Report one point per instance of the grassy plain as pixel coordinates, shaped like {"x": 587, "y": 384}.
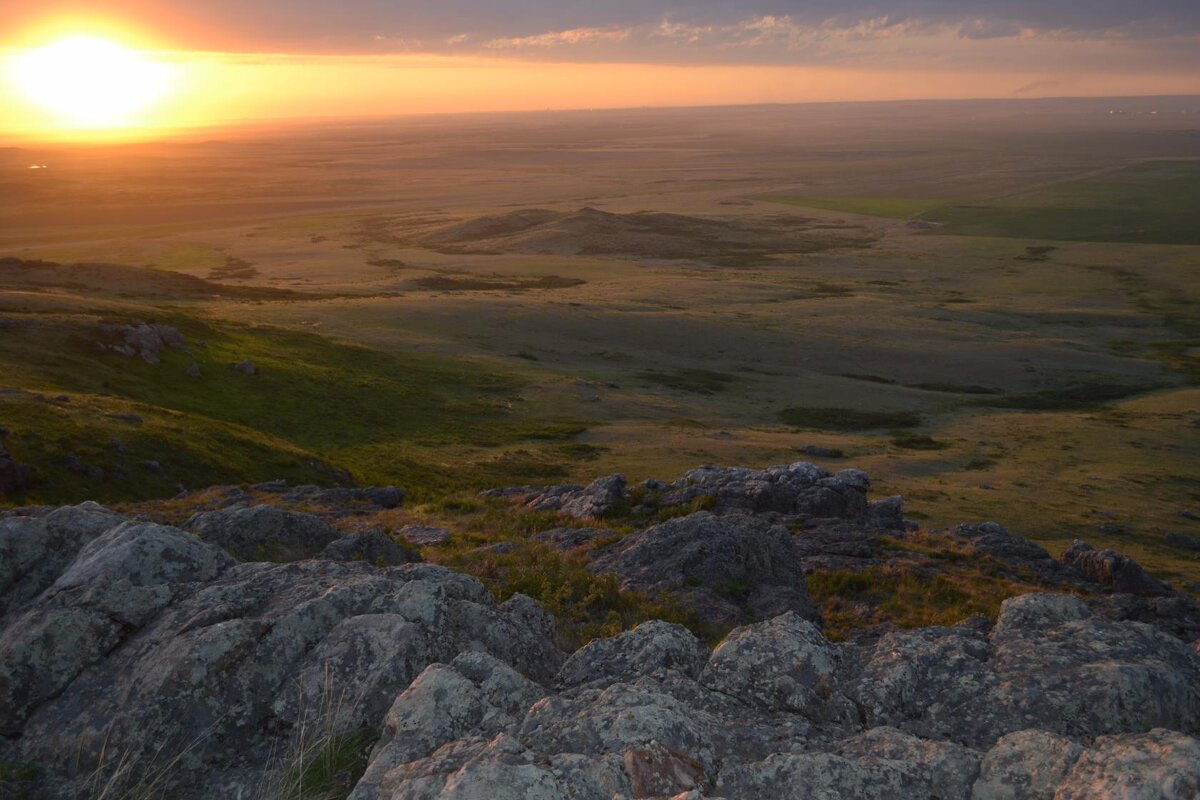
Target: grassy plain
{"x": 453, "y": 303}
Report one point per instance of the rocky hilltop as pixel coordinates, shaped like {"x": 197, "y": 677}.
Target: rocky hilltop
{"x": 131, "y": 648}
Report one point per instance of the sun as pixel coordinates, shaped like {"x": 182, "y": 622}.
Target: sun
{"x": 90, "y": 82}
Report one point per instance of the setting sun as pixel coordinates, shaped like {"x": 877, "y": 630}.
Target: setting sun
{"x": 89, "y": 82}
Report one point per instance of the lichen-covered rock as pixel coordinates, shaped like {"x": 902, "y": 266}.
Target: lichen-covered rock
{"x": 991, "y": 539}
{"x": 784, "y": 664}
{"x": 570, "y": 538}
{"x": 1109, "y": 568}
{"x": 1159, "y": 765}
{"x": 732, "y": 569}
{"x": 948, "y": 769}
{"x": 34, "y": 550}
{"x": 1026, "y": 765}
{"x": 373, "y": 546}
{"x": 799, "y": 488}
{"x": 649, "y": 647}
{"x": 424, "y": 535}
{"x": 582, "y": 502}
{"x": 1048, "y": 663}
{"x": 133, "y": 638}
{"x": 263, "y": 533}
{"x": 151, "y": 638}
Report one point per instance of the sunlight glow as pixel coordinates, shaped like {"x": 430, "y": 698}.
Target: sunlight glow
{"x": 91, "y": 83}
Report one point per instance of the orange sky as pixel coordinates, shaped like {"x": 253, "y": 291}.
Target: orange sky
{"x": 208, "y": 88}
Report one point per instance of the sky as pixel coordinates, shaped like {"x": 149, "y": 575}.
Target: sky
{"x": 236, "y": 59}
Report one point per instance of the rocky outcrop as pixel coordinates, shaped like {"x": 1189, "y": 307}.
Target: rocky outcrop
{"x": 800, "y": 490}
{"x": 1114, "y": 570}
{"x": 373, "y": 546}
{"x": 731, "y": 569}
{"x": 263, "y": 533}
{"x": 380, "y": 496}
{"x": 1016, "y": 552}
{"x": 144, "y": 340}
{"x": 777, "y": 711}
{"x": 131, "y": 638}
{"x": 125, "y": 637}
{"x": 424, "y": 535}
{"x": 582, "y": 502}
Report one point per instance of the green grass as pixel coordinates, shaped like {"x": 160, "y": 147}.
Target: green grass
{"x": 888, "y": 207}
{"x": 314, "y": 404}
{"x": 585, "y": 605}
{"x": 1157, "y": 202}
{"x": 907, "y": 597}
{"x": 848, "y": 419}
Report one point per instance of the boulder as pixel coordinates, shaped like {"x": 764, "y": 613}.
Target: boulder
{"x": 1112, "y": 569}
{"x": 649, "y": 647}
{"x": 731, "y": 569}
{"x": 783, "y": 664}
{"x": 424, "y": 535}
{"x": 571, "y": 538}
{"x": 373, "y": 546}
{"x": 263, "y": 533}
{"x": 1026, "y": 765}
{"x": 581, "y": 502}
{"x": 1159, "y": 765}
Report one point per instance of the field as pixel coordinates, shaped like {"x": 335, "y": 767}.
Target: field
{"x": 990, "y": 307}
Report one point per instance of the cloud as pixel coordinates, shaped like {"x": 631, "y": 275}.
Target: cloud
{"x": 877, "y": 33}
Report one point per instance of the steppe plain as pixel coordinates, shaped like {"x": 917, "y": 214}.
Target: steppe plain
{"x": 991, "y": 307}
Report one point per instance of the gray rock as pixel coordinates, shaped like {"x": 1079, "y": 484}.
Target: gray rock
{"x": 732, "y": 569}
{"x": 1108, "y": 568}
{"x": 571, "y": 538}
{"x": 263, "y": 533}
{"x": 948, "y": 769}
{"x": 146, "y": 341}
{"x": 35, "y": 550}
{"x": 150, "y": 638}
{"x": 1159, "y": 765}
{"x": 193, "y": 370}
{"x": 245, "y": 367}
{"x": 375, "y": 547}
{"x": 784, "y": 664}
{"x": 424, "y": 535}
{"x": 1026, "y": 765}
{"x": 1049, "y": 663}
{"x": 991, "y": 539}
{"x": 586, "y": 502}
{"x": 649, "y": 647}
{"x": 800, "y": 488}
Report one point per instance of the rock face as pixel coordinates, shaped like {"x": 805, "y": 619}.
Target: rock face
{"x": 132, "y": 636}
{"x": 731, "y": 569}
{"x": 124, "y": 637}
{"x": 263, "y": 533}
